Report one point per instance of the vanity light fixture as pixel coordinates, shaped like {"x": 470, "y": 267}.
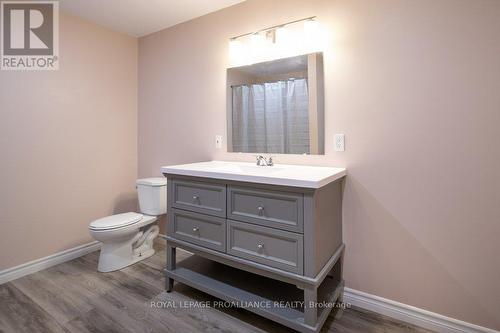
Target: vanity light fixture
{"x": 311, "y": 18}
{"x": 278, "y": 41}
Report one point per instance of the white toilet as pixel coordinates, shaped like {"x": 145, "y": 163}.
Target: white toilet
{"x": 128, "y": 238}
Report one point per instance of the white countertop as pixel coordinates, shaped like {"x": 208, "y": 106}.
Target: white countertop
{"x": 279, "y": 174}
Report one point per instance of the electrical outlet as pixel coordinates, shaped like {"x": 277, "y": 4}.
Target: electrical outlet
{"x": 218, "y": 141}
{"x": 339, "y": 142}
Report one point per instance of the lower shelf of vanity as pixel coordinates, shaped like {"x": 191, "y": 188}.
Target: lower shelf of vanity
{"x": 264, "y": 295}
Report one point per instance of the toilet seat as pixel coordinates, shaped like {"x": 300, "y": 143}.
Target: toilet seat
{"x": 115, "y": 221}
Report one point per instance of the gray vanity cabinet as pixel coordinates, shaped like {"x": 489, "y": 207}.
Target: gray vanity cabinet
{"x": 289, "y": 235}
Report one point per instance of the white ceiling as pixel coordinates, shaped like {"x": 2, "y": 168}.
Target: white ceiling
{"x": 142, "y": 17}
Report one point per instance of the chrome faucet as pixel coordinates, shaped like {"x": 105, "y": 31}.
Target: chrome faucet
{"x": 262, "y": 161}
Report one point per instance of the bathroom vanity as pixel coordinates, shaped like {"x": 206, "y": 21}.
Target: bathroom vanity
{"x": 268, "y": 239}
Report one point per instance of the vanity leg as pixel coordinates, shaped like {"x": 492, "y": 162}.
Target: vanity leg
{"x": 341, "y": 296}
{"x": 310, "y": 305}
{"x": 171, "y": 261}
{"x": 339, "y": 302}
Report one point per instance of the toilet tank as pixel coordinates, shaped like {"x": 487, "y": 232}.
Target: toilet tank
{"x": 152, "y": 194}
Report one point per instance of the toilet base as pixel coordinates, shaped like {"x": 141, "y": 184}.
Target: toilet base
{"x": 115, "y": 256}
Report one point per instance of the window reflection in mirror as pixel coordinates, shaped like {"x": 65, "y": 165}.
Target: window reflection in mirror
{"x": 277, "y": 106}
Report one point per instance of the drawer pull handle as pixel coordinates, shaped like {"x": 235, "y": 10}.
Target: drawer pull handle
{"x": 196, "y": 198}
{"x": 260, "y": 246}
{"x": 261, "y": 210}
{"x": 196, "y": 229}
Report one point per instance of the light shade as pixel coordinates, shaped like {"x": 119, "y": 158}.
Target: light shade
{"x": 260, "y": 47}
{"x": 236, "y": 52}
{"x": 282, "y": 35}
{"x": 310, "y": 28}
{"x": 313, "y": 39}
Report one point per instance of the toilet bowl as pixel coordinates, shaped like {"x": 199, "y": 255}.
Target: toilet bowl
{"x": 128, "y": 238}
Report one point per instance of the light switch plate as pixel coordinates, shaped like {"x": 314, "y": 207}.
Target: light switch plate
{"x": 339, "y": 142}
{"x": 218, "y": 141}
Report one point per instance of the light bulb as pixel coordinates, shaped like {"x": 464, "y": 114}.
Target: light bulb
{"x": 259, "y": 47}
{"x": 310, "y": 28}
{"x": 284, "y": 43}
{"x": 237, "y": 54}
{"x": 313, "y": 38}
{"x": 257, "y": 40}
{"x": 282, "y": 36}
{"x": 235, "y": 47}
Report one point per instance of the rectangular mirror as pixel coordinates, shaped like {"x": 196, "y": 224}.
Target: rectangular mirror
{"x": 277, "y": 106}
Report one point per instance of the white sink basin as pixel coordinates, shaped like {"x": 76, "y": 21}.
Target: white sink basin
{"x": 247, "y": 169}
{"x": 279, "y": 174}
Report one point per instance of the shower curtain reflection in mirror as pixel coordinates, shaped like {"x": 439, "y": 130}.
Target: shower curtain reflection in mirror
{"x": 271, "y": 117}
{"x": 277, "y": 106}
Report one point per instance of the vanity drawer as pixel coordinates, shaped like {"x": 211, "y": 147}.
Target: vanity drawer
{"x": 199, "y": 197}
{"x": 282, "y": 210}
{"x": 275, "y": 248}
{"x": 203, "y": 230}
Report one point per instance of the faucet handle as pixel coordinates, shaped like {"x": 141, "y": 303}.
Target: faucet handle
{"x": 270, "y": 162}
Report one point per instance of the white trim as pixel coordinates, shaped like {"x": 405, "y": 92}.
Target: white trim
{"x": 16, "y": 272}
{"x": 411, "y": 314}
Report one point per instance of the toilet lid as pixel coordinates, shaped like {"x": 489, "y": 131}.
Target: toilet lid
{"x": 115, "y": 221}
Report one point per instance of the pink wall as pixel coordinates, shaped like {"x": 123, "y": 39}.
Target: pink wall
{"x": 68, "y": 143}
{"x": 415, "y": 87}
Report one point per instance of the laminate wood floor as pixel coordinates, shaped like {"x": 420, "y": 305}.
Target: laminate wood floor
{"x": 74, "y": 297}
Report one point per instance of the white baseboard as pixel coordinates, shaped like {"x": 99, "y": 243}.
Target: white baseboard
{"x": 411, "y": 314}
{"x": 16, "y": 272}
